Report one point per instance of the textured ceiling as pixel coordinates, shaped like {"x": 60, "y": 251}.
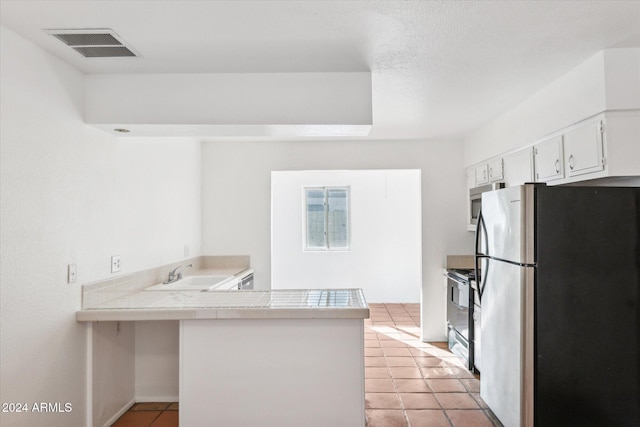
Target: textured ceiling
{"x": 440, "y": 69}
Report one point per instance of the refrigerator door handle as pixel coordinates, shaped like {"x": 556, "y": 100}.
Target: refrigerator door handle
{"x": 481, "y": 227}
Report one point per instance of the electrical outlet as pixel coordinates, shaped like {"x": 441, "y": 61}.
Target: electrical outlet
{"x": 72, "y": 273}
{"x": 115, "y": 263}
{"x": 186, "y": 250}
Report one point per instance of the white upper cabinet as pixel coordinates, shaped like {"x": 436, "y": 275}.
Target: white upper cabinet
{"x": 488, "y": 172}
{"x": 518, "y": 167}
{"x": 482, "y": 174}
{"x": 548, "y": 159}
{"x": 583, "y": 148}
{"x": 496, "y": 170}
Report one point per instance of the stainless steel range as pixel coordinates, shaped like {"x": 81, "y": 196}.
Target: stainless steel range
{"x": 460, "y": 314}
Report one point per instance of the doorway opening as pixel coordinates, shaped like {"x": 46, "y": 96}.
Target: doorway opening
{"x": 382, "y": 214}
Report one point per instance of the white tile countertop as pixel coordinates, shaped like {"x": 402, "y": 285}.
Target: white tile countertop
{"x": 142, "y": 296}
{"x": 183, "y": 305}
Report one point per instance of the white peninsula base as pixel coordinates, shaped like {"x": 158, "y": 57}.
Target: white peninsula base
{"x": 272, "y": 372}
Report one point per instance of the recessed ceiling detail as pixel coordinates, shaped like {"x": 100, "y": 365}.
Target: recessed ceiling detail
{"x": 93, "y": 43}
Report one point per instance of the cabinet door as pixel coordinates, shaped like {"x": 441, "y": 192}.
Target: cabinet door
{"x": 583, "y": 148}
{"x": 518, "y": 167}
{"x": 482, "y": 175}
{"x": 548, "y": 160}
{"x": 496, "y": 170}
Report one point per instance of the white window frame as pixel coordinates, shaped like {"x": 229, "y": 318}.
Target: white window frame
{"x": 327, "y": 247}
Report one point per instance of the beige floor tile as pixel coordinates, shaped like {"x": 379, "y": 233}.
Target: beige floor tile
{"x": 427, "y": 418}
{"x": 385, "y": 329}
{"x": 469, "y": 418}
{"x": 166, "y": 419}
{"x": 373, "y": 352}
{"x": 371, "y": 343}
{"x": 396, "y": 351}
{"x": 430, "y": 362}
{"x": 432, "y": 351}
{"x": 401, "y": 361}
{"x": 408, "y": 385}
{"x": 419, "y": 401}
{"x": 375, "y": 372}
{"x": 402, "y": 318}
{"x": 446, "y": 385}
{"x": 405, "y": 372}
{"x": 421, "y": 351}
{"x": 386, "y": 418}
{"x": 382, "y": 401}
{"x": 136, "y": 419}
{"x": 471, "y": 385}
{"x": 437, "y": 372}
{"x": 456, "y": 401}
{"x": 377, "y": 305}
{"x": 392, "y": 343}
{"x": 379, "y": 385}
{"x": 415, "y": 343}
{"x": 375, "y": 361}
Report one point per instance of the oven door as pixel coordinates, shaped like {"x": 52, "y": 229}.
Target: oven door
{"x": 458, "y": 305}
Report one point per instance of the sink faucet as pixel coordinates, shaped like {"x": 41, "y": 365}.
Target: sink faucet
{"x": 176, "y": 273}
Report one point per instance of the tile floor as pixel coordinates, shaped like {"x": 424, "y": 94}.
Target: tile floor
{"x": 408, "y": 383}
{"x": 149, "y": 415}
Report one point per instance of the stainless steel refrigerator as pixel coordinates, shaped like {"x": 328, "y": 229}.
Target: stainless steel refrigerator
{"x": 560, "y": 300}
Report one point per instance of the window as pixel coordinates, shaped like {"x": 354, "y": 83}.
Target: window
{"x": 327, "y": 218}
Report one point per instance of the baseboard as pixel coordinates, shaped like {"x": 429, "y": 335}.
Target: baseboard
{"x": 118, "y": 414}
{"x": 157, "y": 399}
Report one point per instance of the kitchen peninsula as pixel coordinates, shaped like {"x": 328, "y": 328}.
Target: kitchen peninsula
{"x": 294, "y": 357}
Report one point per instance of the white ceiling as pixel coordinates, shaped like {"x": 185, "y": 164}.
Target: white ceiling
{"x": 440, "y": 69}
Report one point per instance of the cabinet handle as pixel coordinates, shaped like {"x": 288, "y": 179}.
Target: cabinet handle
{"x": 557, "y": 165}
{"x": 490, "y": 172}
{"x": 484, "y": 174}
{"x": 571, "y": 162}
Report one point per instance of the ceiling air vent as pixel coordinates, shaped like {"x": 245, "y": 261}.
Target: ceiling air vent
{"x": 94, "y": 42}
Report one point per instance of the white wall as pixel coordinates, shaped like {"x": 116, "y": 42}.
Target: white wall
{"x": 606, "y": 81}
{"x": 385, "y": 254}
{"x": 157, "y": 361}
{"x": 73, "y": 194}
{"x": 237, "y": 200}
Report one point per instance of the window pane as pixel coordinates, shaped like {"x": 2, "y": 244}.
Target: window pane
{"x": 338, "y": 218}
{"x": 315, "y": 218}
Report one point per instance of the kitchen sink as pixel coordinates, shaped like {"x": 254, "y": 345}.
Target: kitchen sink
{"x": 196, "y": 283}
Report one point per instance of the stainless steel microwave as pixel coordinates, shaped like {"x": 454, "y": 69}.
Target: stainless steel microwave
{"x": 475, "y": 199}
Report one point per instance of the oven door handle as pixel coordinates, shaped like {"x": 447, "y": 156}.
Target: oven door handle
{"x": 457, "y": 280}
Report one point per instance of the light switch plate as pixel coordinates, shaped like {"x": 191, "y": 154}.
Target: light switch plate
{"x": 115, "y": 263}
{"x": 72, "y": 273}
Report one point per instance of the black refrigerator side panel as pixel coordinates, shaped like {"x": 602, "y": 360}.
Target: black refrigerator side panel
{"x": 587, "y": 307}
